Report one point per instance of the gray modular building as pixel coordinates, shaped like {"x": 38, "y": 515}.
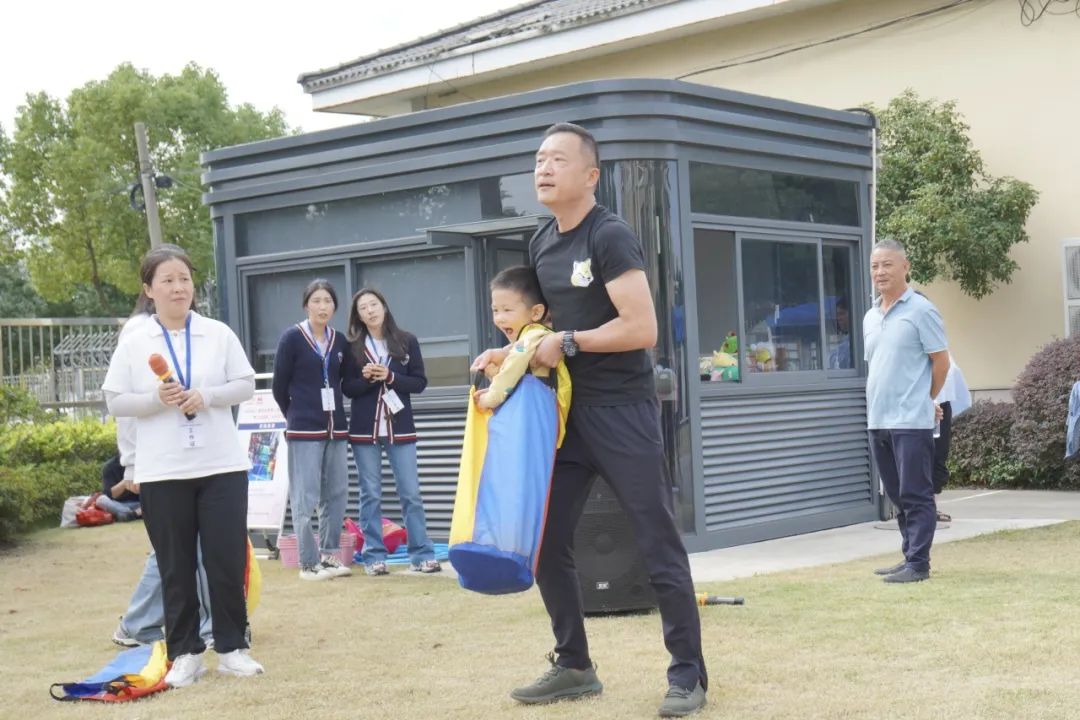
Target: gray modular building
{"x": 756, "y": 219}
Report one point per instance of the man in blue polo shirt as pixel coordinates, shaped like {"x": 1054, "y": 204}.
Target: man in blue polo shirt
{"x": 908, "y": 360}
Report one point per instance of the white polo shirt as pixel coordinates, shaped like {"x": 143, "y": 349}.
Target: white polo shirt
{"x": 217, "y": 359}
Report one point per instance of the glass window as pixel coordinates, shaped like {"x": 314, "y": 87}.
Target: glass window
{"x": 274, "y": 304}
{"x": 745, "y": 192}
{"x": 427, "y": 296}
{"x": 384, "y": 216}
{"x": 836, "y": 263}
{"x": 781, "y": 305}
{"x": 516, "y": 196}
{"x": 356, "y": 220}
{"x": 717, "y": 305}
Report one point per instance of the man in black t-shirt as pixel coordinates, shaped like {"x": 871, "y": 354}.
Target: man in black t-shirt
{"x": 592, "y": 273}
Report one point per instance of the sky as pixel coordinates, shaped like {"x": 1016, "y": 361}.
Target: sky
{"x": 257, "y": 48}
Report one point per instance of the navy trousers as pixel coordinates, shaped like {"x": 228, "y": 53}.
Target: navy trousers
{"x": 622, "y": 444}
{"x": 904, "y": 459}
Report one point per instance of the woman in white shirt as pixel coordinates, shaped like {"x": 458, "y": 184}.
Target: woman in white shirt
{"x": 191, "y": 469}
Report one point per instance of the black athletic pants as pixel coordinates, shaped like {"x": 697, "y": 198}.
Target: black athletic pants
{"x": 213, "y": 509}
{"x": 622, "y": 444}
{"x": 941, "y": 449}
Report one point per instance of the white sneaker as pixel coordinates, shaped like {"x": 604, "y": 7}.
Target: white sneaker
{"x": 185, "y": 670}
{"x": 120, "y": 637}
{"x": 334, "y": 566}
{"x": 238, "y": 663}
{"x": 315, "y": 572}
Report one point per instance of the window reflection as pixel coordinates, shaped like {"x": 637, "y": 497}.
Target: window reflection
{"x": 781, "y": 306}
{"x": 274, "y": 302}
{"x": 746, "y": 192}
{"x": 434, "y": 314}
{"x": 836, "y": 262}
{"x": 717, "y": 305}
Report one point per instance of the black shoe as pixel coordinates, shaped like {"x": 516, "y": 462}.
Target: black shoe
{"x": 680, "y": 702}
{"x": 908, "y": 575}
{"x": 559, "y": 683}
{"x": 891, "y": 570}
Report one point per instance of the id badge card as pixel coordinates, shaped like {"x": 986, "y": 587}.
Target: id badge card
{"x": 327, "y": 399}
{"x": 192, "y": 432}
{"x": 393, "y": 402}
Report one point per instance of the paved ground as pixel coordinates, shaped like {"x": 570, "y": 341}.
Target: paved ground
{"x": 974, "y": 512}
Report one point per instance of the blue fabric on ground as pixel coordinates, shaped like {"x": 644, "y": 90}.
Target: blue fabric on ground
{"x": 401, "y": 556}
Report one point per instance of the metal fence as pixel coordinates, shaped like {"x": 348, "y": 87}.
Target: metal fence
{"x": 61, "y": 361}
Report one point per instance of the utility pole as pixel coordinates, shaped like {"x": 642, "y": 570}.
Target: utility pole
{"x": 146, "y": 173}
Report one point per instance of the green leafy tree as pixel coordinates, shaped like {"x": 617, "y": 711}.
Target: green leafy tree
{"x": 957, "y": 222}
{"x": 69, "y": 167}
{"x": 17, "y": 296}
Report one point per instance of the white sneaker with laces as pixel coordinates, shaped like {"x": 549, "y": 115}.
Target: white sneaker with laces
{"x": 185, "y": 670}
{"x": 315, "y": 572}
{"x": 238, "y": 663}
{"x": 334, "y": 566}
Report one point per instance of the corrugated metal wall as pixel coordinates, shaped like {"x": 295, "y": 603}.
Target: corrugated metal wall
{"x": 782, "y": 457}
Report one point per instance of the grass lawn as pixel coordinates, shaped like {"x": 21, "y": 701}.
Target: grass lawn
{"x": 994, "y": 634}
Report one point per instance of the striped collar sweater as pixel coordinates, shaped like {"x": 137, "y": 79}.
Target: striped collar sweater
{"x": 298, "y": 383}
{"x": 368, "y": 408}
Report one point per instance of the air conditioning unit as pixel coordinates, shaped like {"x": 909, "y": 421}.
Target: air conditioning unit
{"x": 1071, "y": 276}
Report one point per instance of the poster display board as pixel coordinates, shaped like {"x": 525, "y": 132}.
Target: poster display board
{"x": 262, "y": 434}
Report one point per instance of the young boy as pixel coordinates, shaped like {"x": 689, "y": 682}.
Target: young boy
{"x": 517, "y": 309}
{"x": 507, "y": 457}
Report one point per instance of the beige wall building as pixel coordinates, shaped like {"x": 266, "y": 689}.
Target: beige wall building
{"x": 1012, "y": 80}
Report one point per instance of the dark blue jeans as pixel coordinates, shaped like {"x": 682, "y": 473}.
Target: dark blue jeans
{"x": 904, "y": 459}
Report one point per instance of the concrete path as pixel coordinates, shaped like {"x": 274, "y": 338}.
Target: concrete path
{"x": 974, "y": 512}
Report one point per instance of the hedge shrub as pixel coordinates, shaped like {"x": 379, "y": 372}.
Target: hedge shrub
{"x": 57, "y": 441}
{"x": 32, "y": 495}
{"x": 1041, "y": 394}
{"x": 45, "y": 459}
{"x": 981, "y": 451}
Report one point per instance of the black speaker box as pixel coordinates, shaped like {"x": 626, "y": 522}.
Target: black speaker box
{"x": 612, "y": 574}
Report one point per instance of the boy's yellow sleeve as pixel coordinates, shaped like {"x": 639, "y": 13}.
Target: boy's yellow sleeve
{"x": 512, "y": 369}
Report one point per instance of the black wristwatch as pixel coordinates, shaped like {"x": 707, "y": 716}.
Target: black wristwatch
{"x": 569, "y": 347}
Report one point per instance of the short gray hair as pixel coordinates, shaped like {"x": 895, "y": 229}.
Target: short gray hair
{"x": 890, "y": 244}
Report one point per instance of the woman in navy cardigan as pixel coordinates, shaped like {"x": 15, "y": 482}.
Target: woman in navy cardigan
{"x": 311, "y": 360}
{"x": 390, "y": 370}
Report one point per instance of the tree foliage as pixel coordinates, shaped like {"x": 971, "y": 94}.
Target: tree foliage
{"x": 957, "y": 222}
{"x": 69, "y": 166}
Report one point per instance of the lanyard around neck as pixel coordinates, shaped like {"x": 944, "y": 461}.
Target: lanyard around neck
{"x": 382, "y": 359}
{"x": 305, "y": 327}
{"x": 185, "y": 378}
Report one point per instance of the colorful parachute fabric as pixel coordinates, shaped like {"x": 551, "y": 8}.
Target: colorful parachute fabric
{"x": 133, "y": 674}
{"x": 502, "y": 492}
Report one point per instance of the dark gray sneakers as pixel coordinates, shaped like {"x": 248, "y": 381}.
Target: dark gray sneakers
{"x": 680, "y": 701}
{"x": 559, "y": 683}
{"x": 908, "y": 575}
{"x": 890, "y": 570}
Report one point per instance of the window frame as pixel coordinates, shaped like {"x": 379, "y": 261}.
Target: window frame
{"x": 819, "y": 237}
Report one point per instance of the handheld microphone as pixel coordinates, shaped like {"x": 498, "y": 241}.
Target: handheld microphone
{"x": 161, "y": 368}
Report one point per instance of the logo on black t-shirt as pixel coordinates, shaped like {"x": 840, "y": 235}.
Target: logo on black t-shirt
{"x": 582, "y": 275}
